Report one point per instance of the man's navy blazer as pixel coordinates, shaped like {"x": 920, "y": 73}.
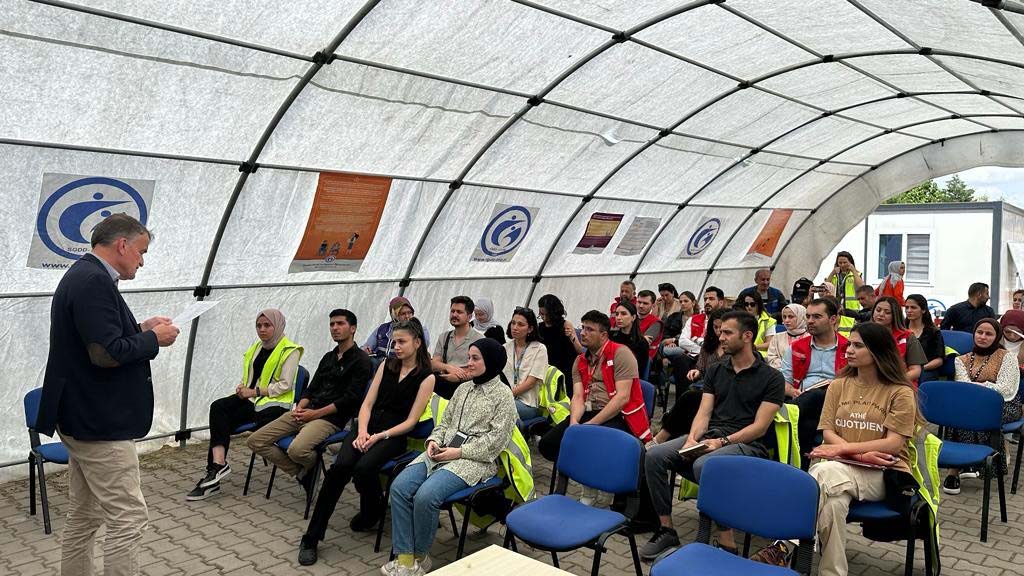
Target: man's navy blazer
{"x": 98, "y": 384}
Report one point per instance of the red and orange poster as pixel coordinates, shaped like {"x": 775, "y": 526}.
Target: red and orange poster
{"x": 768, "y": 239}
{"x": 342, "y": 223}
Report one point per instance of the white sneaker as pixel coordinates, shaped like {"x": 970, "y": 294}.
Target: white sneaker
{"x": 970, "y": 474}
{"x": 420, "y": 568}
{"x": 426, "y": 563}
{"x": 588, "y": 496}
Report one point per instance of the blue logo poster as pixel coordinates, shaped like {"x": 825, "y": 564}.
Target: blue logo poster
{"x": 504, "y": 233}
{"x": 71, "y": 205}
{"x": 701, "y": 238}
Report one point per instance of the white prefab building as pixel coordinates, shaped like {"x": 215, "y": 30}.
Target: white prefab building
{"x": 946, "y": 247}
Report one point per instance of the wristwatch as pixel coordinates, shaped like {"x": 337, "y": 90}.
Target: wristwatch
{"x": 386, "y": 435}
{"x": 725, "y": 440}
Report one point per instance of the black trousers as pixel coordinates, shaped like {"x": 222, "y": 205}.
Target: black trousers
{"x": 361, "y": 468}
{"x": 681, "y": 365}
{"x": 227, "y": 414}
{"x": 679, "y": 419}
{"x": 551, "y": 443}
{"x": 811, "y": 403}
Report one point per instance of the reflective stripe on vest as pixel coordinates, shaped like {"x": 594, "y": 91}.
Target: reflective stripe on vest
{"x": 764, "y": 324}
{"x": 272, "y": 370}
{"x": 847, "y": 293}
{"x": 846, "y": 324}
{"x": 551, "y": 397}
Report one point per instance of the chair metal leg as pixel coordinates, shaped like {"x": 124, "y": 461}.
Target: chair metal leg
{"x": 987, "y": 472}
{"x": 451, "y": 516}
{"x": 1001, "y": 483}
{"x": 635, "y": 552}
{"x": 42, "y": 497}
{"x": 31, "y": 484}
{"x": 595, "y": 570}
{"x": 1016, "y": 463}
{"x": 554, "y": 559}
{"x": 312, "y": 489}
{"x": 248, "y": 474}
{"x": 908, "y": 567}
{"x": 270, "y": 485}
{"x": 465, "y": 530}
{"x": 383, "y": 515}
{"x": 554, "y": 476}
{"x": 746, "y": 546}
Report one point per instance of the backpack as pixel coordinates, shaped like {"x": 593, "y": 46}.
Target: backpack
{"x": 801, "y": 288}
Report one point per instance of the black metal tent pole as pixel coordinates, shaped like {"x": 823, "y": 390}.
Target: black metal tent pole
{"x": 319, "y": 60}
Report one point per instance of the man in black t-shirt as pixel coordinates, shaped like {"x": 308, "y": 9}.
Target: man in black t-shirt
{"x": 740, "y": 398}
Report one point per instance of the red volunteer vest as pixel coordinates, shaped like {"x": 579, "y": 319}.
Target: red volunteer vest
{"x": 697, "y": 322}
{"x": 801, "y": 348}
{"x": 645, "y": 323}
{"x": 635, "y": 411}
{"x": 900, "y": 336}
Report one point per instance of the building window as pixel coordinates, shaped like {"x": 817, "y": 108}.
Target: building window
{"x": 918, "y": 246}
{"x": 890, "y": 249}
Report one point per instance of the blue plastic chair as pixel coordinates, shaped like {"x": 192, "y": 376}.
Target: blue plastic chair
{"x": 468, "y": 498}
{"x": 301, "y": 380}
{"x": 861, "y": 512}
{"x": 39, "y": 454}
{"x": 1015, "y": 428}
{"x": 780, "y": 327}
{"x": 603, "y": 458}
{"x": 648, "y": 390}
{"x": 967, "y": 406}
{"x": 392, "y": 468}
{"x": 962, "y": 342}
{"x": 732, "y": 493}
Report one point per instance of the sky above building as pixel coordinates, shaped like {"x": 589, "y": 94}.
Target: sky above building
{"x": 995, "y": 182}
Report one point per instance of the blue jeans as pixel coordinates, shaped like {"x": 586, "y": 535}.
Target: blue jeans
{"x": 526, "y": 411}
{"x": 416, "y": 505}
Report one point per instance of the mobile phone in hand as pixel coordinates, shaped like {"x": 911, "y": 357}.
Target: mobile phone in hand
{"x": 457, "y": 440}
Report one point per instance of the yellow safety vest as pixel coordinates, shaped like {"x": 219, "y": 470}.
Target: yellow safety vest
{"x": 786, "y": 440}
{"x": 514, "y": 462}
{"x": 272, "y": 370}
{"x": 845, "y": 324}
{"x": 847, "y": 293}
{"x": 551, "y": 396}
{"x": 765, "y": 328}
{"x": 924, "y": 467}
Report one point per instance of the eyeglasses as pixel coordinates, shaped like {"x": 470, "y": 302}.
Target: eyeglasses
{"x": 750, "y": 304}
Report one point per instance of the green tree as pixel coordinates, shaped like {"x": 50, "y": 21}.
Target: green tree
{"x": 929, "y": 192}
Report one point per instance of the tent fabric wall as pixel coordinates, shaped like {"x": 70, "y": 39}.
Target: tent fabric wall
{"x": 683, "y": 111}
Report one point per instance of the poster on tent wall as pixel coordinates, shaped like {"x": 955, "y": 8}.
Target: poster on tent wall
{"x": 637, "y": 236}
{"x": 701, "y": 238}
{"x": 342, "y": 223}
{"x": 600, "y": 230}
{"x": 504, "y": 233}
{"x": 71, "y": 205}
{"x": 768, "y": 239}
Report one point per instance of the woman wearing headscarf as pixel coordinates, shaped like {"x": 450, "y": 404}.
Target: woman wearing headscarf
{"x": 1013, "y": 334}
{"x": 794, "y": 318}
{"x": 987, "y": 364}
{"x": 483, "y": 314}
{"x": 461, "y": 452}
{"x": 265, "y": 392}
{"x": 892, "y": 285}
{"x": 379, "y": 343}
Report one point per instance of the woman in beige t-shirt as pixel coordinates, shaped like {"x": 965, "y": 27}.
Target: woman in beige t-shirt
{"x": 870, "y": 412}
{"x": 527, "y": 362}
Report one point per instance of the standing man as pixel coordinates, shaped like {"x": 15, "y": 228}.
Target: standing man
{"x": 627, "y": 293}
{"x": 773, "y": 298}
{"x": 963, "y": 316}
{"x": 451, "y": 352}
{"x": 98, "y": 396}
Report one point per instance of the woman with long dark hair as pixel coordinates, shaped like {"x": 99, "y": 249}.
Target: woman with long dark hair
{"x": 394, "y": 402}
{"x": 558, "y": 335}
{"x": 991, "y": 365}
{"x": 626, "y": 330}
{"x": 869, "y": 414}
{"x": 921, "y": 325}
{"x": 888, "y": 313}
{"x": 752, "y": 304}
{"x": 527, "y": 362}
{"x": 845, "y": 278}
{"x": 667, "y": 303}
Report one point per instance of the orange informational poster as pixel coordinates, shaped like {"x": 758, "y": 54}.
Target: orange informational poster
{"x": 771, "y": 233}
{"x": 342, "y": 223}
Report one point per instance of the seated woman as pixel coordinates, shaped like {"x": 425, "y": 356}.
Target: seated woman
{"x": 1013, "y": 334}
{"x": 265, "y": 392}
{"x": 397, "y": 397}
{"x": 378, "y": 344}
{"x": 992, "y": 366}
{"x": 794, "y": 318}
{"x": 483, "y": 321}
{"x": 754, "y": 305}
{"x": 667, "y": 303}
{"x": 626, "y": 330}
{"x": 558, "y": 335}
{"x": 482, "y": 415}
{"x": 889, "y": 314}
{"x": 870, "y": 412}
{"x": 527, "y": 362}
{"x": 921, "y": 325}
{"x": 678, "y": 420}
{"x": 892, "y": 284}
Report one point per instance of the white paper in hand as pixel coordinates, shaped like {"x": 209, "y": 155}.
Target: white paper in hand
{"x": 192, "y": 312}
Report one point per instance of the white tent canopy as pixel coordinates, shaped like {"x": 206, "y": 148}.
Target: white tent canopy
{"x": 685, "y": 112}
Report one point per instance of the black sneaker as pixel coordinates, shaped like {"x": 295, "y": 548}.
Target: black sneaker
{"x": 214, "y": 474}
{"x": 306, "y": 482}
{"x": 202, "y": 493}
{"x": 662, "y": 540}
{"x": 361, "y": 524}
{"x": 951, "y": 485}
{"x": 307, "y": 552}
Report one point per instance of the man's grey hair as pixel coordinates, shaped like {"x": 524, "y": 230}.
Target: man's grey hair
{"x": 118, "y": 226}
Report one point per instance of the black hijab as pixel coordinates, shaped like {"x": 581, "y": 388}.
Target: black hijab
{"x": 494, "y": 356}
{"x": 996, "y": 344}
